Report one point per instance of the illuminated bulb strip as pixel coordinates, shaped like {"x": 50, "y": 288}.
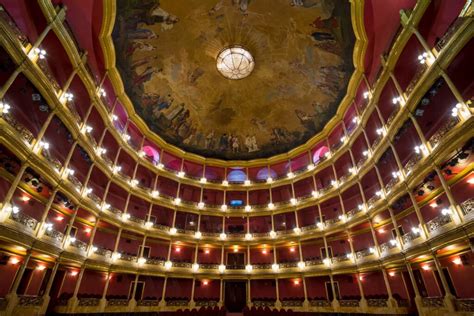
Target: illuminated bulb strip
{"x": 4, "y": 108}
{"x": 41, "y": 53}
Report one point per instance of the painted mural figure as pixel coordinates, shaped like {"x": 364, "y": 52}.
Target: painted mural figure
{"x": 166, "y": 54}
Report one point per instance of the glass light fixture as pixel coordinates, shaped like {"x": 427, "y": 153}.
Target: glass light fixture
{"x": 221, "y": 268}
{"x": 235, "y": 62}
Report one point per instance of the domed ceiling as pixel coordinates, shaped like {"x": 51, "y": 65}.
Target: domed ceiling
{"x": 166, "y": 54}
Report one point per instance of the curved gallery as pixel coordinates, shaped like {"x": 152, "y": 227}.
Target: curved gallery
{"x": 236, "y": 156}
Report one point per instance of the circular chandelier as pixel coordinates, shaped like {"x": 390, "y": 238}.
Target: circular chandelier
{"x": 235, "y": 62}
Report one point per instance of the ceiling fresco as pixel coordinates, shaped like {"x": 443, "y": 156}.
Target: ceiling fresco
{"x": 166, "y": 54}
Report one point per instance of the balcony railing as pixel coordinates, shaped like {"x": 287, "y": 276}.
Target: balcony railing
{"x": 89, "y": 301}
{"x": 291, "y": 303}
{"x": 377, "y": 302}
{"x": 391, "y": 184}
{"x": 363, "y": 253}
{"x": 22, "y": 130}
{"x": 235, "y": 267}
{"x": 117, "y": 302}
{"x": 353, "y": 212}
{"x": 148, "y": 302}
{"x": 468, "y": 207}
{"x": 75, "y": 182}
{"x": 186, "y": 265}
{"x": 155, "y": 261}
{"x": 409, "y": 237}
{"x": 262, "y": 266}
{"x": 5, "y": 17}
{"x": 349, "y": 303}
{"x": 128, "y": 257}
{"x": 263, "y": 303}
{"x": 287, "y": 265}
{"x": 44, "y": 66}
{"x": 385, "y": 247}
{"x": 331, "y": 221}
{"x": 177, "y": 303}
{"x": 26, "y": 300}
{"x": 313, "y": 262}
{"x": 432, "y": 302}
{"x": 94, "y": 198}
{"x": 24, "y": 220}
{"x": 416, "y": 78}
{"x": 103, "y": 252}
{"x": 373, "y": 200}
{"x": 438, "y": 136}
{"x": 339, "y": 259}
{"x": 451, "y": 31}
{"x": 438, "y": 222}
{"x": 79, "y": 245}
{"x": 54, "y": 234}
{"x": 465, "y": 305}
{"x": 320, "y": 303}
{"x": 209, "y": 266}
{"x": 55, "y": 163}
{"x": 412, "y": 163}
{"x": 136, "y": 220}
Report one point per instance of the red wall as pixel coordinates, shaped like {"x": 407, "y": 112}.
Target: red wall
{"x": 262, "y": 288}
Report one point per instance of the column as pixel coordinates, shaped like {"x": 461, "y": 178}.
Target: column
{"x": 395, "y": 225}
{"x": 376, "y": 243}
{"x": 91, "y": 240}
{"x": 73, "y": 301}
{"x": 278, "y": 302}
{"x": 418, "y": 299}
{"x": 12, "y": 296}
{"x": 39, "y": 228}
{"x": 132, "y": 302}
{"x": 363, "y": 301}
{"x": 191, "y": 302}
{"x": 69, "y": 227}
{"x": 50, "y": 282}
{"x": 163, "y": 295}
{"x": 305, "y": 291}
{"x": 391, "y": 302}
{"x": 249, "y": 294}
{"x": 424, "y": 229}
{"x": 15, "y": 183}
{"x": 36, "y": 147}
{"x": 335, "y": 301}
{"x": 457, "y": 215}
{"x": 103, "y": 299}
{"x": 221, "y": 293}
{"x": 449, "y": 297}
